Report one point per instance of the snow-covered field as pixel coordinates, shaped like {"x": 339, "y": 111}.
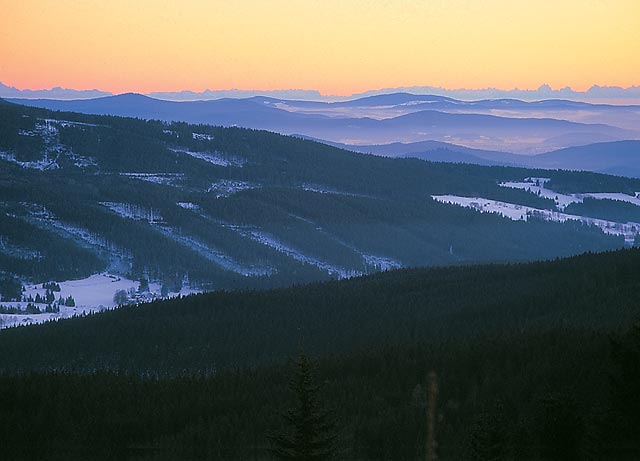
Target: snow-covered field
{"x": 537, "y": 186}
{"x": 521, "y": 212}
{"x": 92, "y": 294}
{"x": 614, "y": 196}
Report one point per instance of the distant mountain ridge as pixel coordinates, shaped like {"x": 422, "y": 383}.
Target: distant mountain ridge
{"x": 326, "y": 121}
{"x": 594, "y": 94}
{"x": 620, "y": 158}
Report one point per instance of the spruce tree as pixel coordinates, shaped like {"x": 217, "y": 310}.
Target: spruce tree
{"x": 310, "y": 433}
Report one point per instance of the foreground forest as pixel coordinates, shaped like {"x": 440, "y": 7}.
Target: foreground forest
{"x": 533, "y": 361}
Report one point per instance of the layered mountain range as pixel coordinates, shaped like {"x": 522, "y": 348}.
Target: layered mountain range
{"x": 232, "y": 207}
{"x": 504, "y": 125}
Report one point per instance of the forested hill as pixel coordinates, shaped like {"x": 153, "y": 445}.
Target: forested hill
{"x": 225, "y": 330}
{"x": 232, "y": 207}
{"x": 534, "y": 361}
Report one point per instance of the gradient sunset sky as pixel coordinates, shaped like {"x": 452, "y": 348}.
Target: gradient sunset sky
{"x": 337, "y": 47}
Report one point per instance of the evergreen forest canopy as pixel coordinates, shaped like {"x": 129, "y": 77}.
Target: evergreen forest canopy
{"x": 240, "y": 208}
{"x": 533, "y": 361}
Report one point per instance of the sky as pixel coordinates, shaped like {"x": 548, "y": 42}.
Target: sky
{"x": 336, "y": 47}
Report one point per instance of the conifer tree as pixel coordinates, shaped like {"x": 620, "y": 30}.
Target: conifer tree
{"x": 310, "y": 434}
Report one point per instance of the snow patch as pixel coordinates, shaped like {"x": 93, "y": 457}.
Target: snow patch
{"x": 51, "y": 122}
{"x": 536, "y": 186}
{"x": 43, "y": 164}
{"x": 215, "y": 158}
{"x": 227, "y": 187}
{"x": 212, "y": 254}
{"x": 133, "y": 211}
{"x": 635, "y": 200}
{"x": 165, "y": 179}
{"x": 188, "y": 206}
{"x": 381, "y": 263}
{"x": 45, "y": 219}
{"x": 202, "y": 137}
{"x": 320, "y": 189}
{"x": 92, "y": 294}
{"x": 271, "y": 241}
{"x": 516, "y": 212}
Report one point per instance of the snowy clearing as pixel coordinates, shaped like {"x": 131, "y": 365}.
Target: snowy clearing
{"x": 537, "y": 186}
{"x": 614, "y": 196}
{"x": 91, "y": 294}
{"x": 520, "y": 212}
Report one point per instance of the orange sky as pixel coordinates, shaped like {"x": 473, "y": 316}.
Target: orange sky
{"x": 337, "y": 47}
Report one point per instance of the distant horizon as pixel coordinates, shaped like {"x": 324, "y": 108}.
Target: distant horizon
{"x": 595, "y": 93}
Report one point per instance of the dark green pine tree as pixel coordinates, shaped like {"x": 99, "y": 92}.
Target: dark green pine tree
{"x": 310, "y": 432}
